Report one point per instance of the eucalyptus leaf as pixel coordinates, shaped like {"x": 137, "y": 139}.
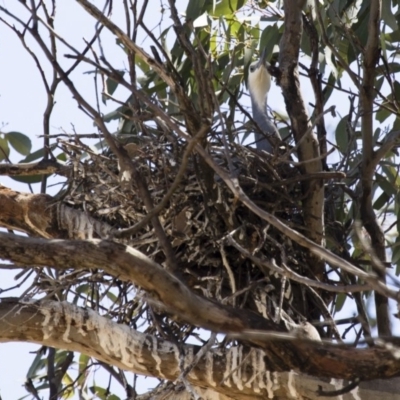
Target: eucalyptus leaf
{"x": 340, "y": 300}
{"x": 31, "y": 179}
{"x": 37, "y": 365}
{"x": 19, "y": 142}
{"x": 194, "y": 9}
{"x": 111, "y": 85}
{"x": 225, "y": 7}
{"x": 4, "y": 148}
{"x": 341, "y": 135}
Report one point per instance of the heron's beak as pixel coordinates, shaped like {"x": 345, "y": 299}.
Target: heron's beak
{"x": 263, "y": 59}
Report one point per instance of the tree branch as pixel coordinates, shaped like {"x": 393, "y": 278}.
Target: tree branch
{"x": 43, "y": 167}
{"x": 238, "y": 371}
{"x": 368, "y": 217}
{"x": 39, "y": 215}
{"x": 308, "y": 146}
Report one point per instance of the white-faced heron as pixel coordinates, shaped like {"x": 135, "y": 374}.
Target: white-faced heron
{"x": 259, "y": 83}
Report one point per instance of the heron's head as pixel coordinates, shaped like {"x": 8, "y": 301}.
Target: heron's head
{"x": 259, "y": 81}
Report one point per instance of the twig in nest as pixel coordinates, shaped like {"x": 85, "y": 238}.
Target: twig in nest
{"x": 181, "y": 172}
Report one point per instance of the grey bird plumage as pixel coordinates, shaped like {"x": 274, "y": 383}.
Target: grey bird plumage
{"x": 259, "y": 83}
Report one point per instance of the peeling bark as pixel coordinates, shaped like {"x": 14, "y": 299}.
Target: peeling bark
{"x": 40, "y": 215}
{"x": 239, "y": 372}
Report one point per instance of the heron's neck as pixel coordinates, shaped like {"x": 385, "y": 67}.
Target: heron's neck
{"x": 259, "y": 109}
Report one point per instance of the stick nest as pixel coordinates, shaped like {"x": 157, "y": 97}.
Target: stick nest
{"x": 200, "y": 218}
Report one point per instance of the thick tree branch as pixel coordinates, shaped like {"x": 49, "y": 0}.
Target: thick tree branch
{"x": 132, "y": 266}
{"x": 238, "y": 371}
{"x": 308, "y": 146}
{"x": 39, "y": 215}
{"x": 43, "y": 167}
{"x": 368, "y": 217}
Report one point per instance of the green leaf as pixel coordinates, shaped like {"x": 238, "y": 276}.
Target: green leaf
{"x": 255, "y": 32}
{"x": 269, "y": 38}
{"x": 392, "y": 175}
{"x": 390, "y": 67}
{"x": 341, "y": 134}
{"x": 118, "y": 112}
{"x": 113, "y": 115}
{"x": 194, "y": 9}
{"x": 127, "y": 127}
{"x": 160, "y": 85}
{"x": 396, "y": 255}
{"x": 248, "y": 55}
{"x": 385, "y": 185}
{"x": 83, "y": 362}
{"x": 19, "y": 142}
{"x": 225, "y": 7}
{"x": 393, "y": 37}
{"x": 100, "y": 392}
{"x": 82, "y": 368}
{"x": 27, "y": 179}
{"x": 223, "y": 61}
{"x": 34, "y": 156}
{"x": 381, "y": 201}
{"x": 68, "y": 383}
{"x": 377, "y": 134}
{"x": 396, "y": 124}
{"x": 111, "y": 84}
{"x": 328, "y": 89}
{"x": 340, "y": 300}
{"x": 305, "y": 45}
{"x": 379, "y": 83}
{"x": 4, "y": 149}
{"x": 361, "y": 27}
{"x": 62, "y": 157}
{"x": 37, "y": 364}
{"x": 112, "y": 296}
{"x": 382, "y": 114}
{"x": 214, "y": 44}
{"x": 141, "y": 64}
{"x": 83, "y": 289}
{"x": 234, "y": 29}
{"x": 388, "y": 15}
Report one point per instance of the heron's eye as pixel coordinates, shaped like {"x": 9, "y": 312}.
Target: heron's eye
{"x": 251, "y": 69}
